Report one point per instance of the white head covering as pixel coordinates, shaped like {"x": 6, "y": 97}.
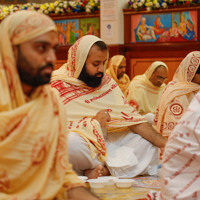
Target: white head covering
{"x": 153, "y": 67}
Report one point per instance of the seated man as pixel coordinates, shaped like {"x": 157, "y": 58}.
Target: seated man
{"x": 144, "y": 31}
{"x": 180, "y": 170}
{"x": 104, "y": 127}
{"x": 146, "y": 89}
{"x": 178, "y": 94}
{"x": 33, "y": 149}
{"x": 116, "y": 69}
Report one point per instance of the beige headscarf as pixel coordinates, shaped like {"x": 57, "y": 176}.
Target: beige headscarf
{"x": 83, "y": 102}
{"x": 143, "y": 92}
{"x": 32, "y": 134}
{"x": 180, "y": 85}
{"x": 114, "y": 63}
{"x": 15, "y": 30}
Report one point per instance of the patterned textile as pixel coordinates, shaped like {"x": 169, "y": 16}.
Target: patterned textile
{"x": 114, "y": 63}
{"x": 142, "y": 91}
{"x": 180, "y": 174}
{"x": 13, "y": 31}
{"x": 88, "y": 101}
{"x": 34, "y": 162}
{"x": 138, "y": 191}
{"x": 147, "y": 182}
{"x": 177, "y": 95}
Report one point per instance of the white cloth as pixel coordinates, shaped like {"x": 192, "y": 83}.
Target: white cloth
{"x": 149, "y": 117}
{"x": 79, "y": 154}
{"x": 180, "y": 174}
{"x": 143, "y": 158}
{"x": 121, "y": 156}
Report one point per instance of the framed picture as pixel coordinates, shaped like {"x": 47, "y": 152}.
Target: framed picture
{"x": 70, "y": 30}
{"x": 180, "y": 26}
{"x": 90, "y": 26}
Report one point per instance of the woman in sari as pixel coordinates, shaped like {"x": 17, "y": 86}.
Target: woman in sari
{"x": 117, "y": 69}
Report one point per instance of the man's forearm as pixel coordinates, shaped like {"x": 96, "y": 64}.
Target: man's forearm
{"x": 81, "y": 193}
{"x": 149, "y": 133}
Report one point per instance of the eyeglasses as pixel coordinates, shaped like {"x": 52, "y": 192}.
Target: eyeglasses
{"x": 161, "y": 78}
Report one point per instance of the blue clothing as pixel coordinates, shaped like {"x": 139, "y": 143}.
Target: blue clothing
{"x": 190, "y": 34}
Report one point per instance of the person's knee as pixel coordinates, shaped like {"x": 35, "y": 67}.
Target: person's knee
{"x": 75, "y": 144}
{"x": 79, "y": 153}
{"x": 78, "y": 149}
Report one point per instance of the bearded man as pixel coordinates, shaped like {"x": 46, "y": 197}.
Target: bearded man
{"x": 33, "y": 149}
{"x": 107, "y": 135}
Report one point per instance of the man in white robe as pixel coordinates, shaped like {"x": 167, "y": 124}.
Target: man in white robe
{"x": 180, "y": 173}
{"x": 105, "y": 129}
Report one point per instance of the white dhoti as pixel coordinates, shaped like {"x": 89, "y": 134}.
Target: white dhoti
{"x": 79, "y": 154}
{"x": 129, "y": 155}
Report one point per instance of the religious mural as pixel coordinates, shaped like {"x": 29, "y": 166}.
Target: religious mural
{"x": 70, "y": 30}
{"x": 164, "y": 27}
{"x": 90, "y": 26}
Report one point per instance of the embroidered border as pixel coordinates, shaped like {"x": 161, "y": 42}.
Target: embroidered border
{"x": 70, "y": 92}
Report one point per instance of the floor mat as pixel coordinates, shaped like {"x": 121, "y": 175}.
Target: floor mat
{"x": 147, "y": 182}
{"x": 138, "y": 191}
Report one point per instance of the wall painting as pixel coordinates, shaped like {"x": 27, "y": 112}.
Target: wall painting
{"x": 70, "y": 30}
{"x": 164, "y": 27}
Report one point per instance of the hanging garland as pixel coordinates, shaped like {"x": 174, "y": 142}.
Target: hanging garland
{"x": 149, "y": 5}
{"x": 57, "y": 7}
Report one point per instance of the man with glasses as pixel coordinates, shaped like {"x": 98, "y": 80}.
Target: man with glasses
{"x": 144, "y": 90}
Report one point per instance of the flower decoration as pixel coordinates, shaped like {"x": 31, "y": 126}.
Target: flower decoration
{"x": 158, "y": 4}
{"x": 57, "y": 7}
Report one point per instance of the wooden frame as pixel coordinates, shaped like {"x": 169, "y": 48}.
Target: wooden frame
{"x": 179, "y": 26}
{"x": 128, "y": 14}
{"x": 170, "y": 52}
{"x": 13, "y": 1}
